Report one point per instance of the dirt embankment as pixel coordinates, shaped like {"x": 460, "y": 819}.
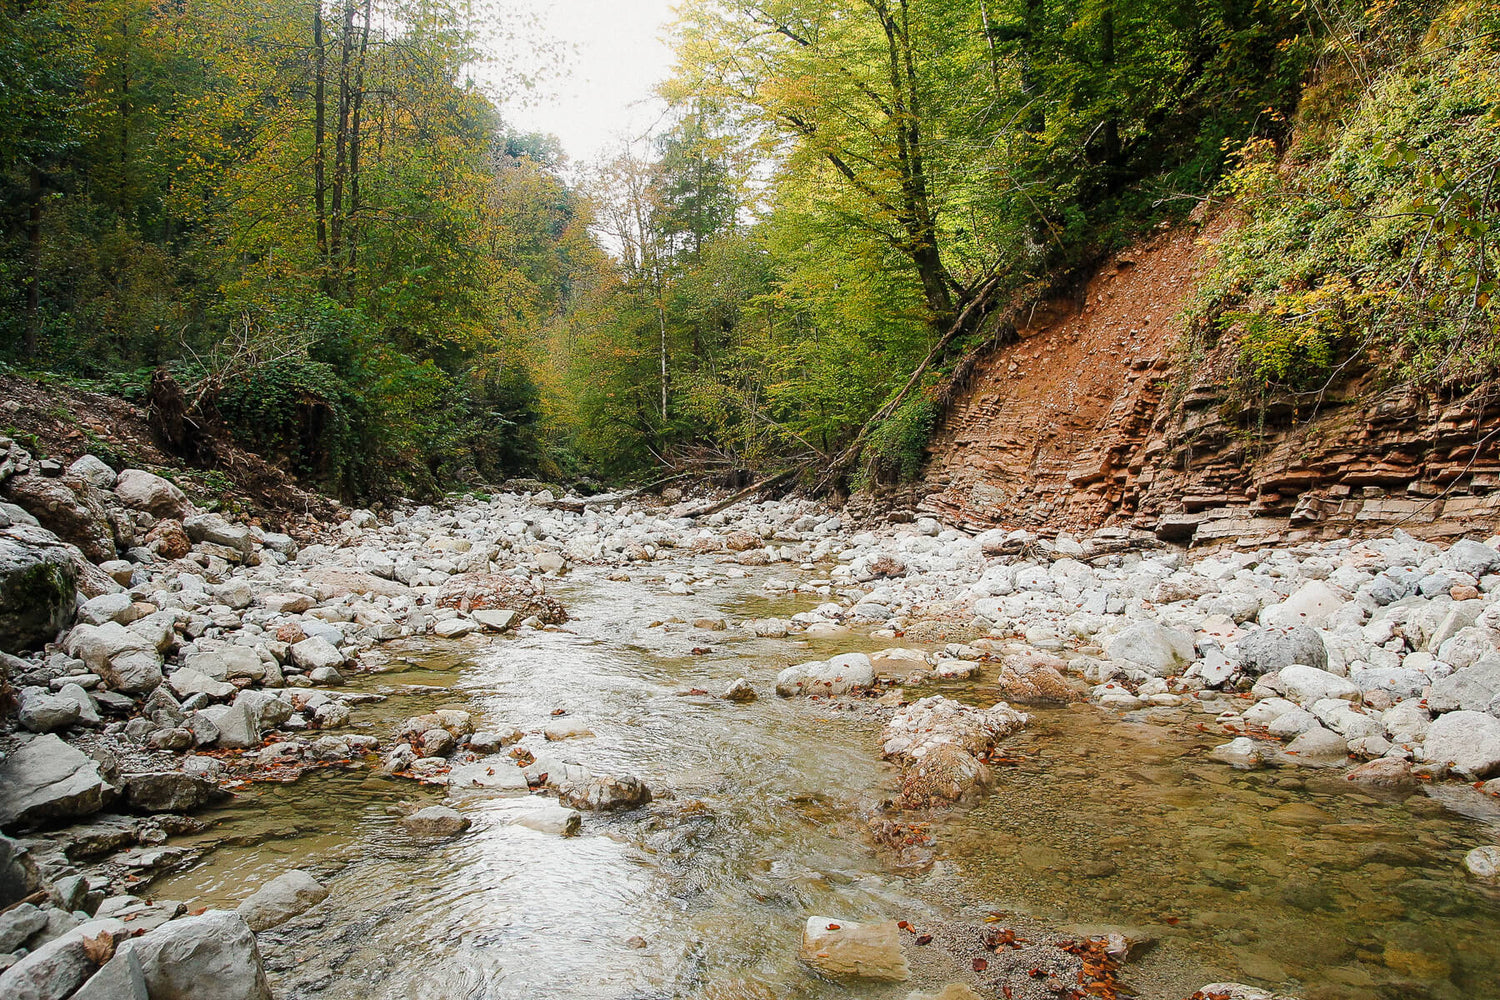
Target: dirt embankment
{"x": 1095, "y": 417}
{"x": 60, "y": 422}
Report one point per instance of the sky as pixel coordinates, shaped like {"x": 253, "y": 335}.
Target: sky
{"x": 613, "y": 55}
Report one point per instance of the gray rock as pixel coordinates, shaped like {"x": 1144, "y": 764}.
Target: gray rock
{"x": 56, "y": 969}
{"x": 186, "y": 681}
{"x": 19, "y": 924}
{"x": 1265, "y": 650}
{"x": 1153, "y": 647}
{"x": 46, "y": 779}
{"x": 556, "y": 820}
{"x": 70, "y": 508}
{"x": 93, "y": 471}
{"x": 836, "y": 675}
{"x": 1467, "y": 741}
{"x": 215, "y": 530}
{"x": 1305, "y": 685}
{"x": 315, "y": 652}
{"x": 43, "y": 712}
{"x": 170, "y": 791}
{"x": 1318, "y": 747}
{"x": 208, "y": 957}
{"x": 121, "y": 978}
{"x": 125, "y": 659}
{"x": 151, "y": 493}
{"x": 1470, "y": 689}
{"x": 228, "y": 663}
{"x": 105, "y": 608}
{"x": 605, "y": 794}
{"x": 237, "y": 729}
{"x": 496, "y": 620}
{"x": 38, "y": 584}
{"x": 495, "y": 774}
{"x": 740, "y": 691}
{"x": 1471, "y": 557}
{"x": 267, "y": 710}
{"x": 436, "y": 822}
{"x": 279, "y": 900}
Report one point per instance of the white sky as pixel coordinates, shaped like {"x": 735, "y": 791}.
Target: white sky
{"x": 614, "y": 54}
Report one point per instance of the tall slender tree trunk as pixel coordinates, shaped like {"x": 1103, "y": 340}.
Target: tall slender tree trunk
{"x": 341, "y": 142}
{"x": 1111, "y": 137}
{"x": 29, "y": 341}
{"x": 354, "y": 141}
{"x": 320, "y": 63}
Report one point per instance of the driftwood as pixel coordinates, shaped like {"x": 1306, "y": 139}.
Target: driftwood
{"x": 577, "y": 505}
{"x": 760, "y": 487}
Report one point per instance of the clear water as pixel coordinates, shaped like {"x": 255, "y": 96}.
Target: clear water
{"x": 1273, "y": 877}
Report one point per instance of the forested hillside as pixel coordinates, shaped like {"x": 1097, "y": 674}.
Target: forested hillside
{"x": 315, "y": 218}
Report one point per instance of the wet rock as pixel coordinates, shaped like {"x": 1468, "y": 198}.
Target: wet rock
{"x": 1387, "y": 773}
{"x": 604, "y": 794}
{"x": 555, "y": 820}
{"x": 935, "y": 721}
{"x": 496, "y": 774}
{"x": 1152, "y": 647}
{"x": 436, "y": 822}
{"x": 836, "y": 675}
{"x": 469, "y": 592}
{"x": 739, "y": 691}
{"x": 1466, "y": 741}
{"x": 45, "y": 779}
{"x": 38, "y": 581}
{"x": 453, "y": 628}
{"x": 487, "y": 741}
{"x": 1239, "y": 991}
{"x": 1035, "y": 678}
{"x": 944, "y": 774}
{"x": 1318, "y": 747}
{"x": 567, "y": 731}
{"x": 208, "y": 957}
{"x": 279, "y": 900}
{"x": 42, "y": 712}
{"x": 1484, "y": 862}
{"x": 837, "y": 947}
{"x": 1267, "y": 650}
{"x": 953, "y": 991}
{"x": 170, "y": 791}
{"x": 1241, "y": 752}
{"x": 151, "y": 493}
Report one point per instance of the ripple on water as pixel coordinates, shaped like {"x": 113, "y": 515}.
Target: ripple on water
{"x": 1270, "y": 876}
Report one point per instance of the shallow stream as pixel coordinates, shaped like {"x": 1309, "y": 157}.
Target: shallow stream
{"x": 1274, "y": 877}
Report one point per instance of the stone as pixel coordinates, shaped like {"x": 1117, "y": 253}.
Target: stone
{"x": 56, "y": 969}
{"x": 212, "y": 528}
{"x": 279, "y": 900}
{"x": 953, "y": 991}
{"x": 151, "y": 493}
{"x": 326, "y": 676}
{"x": 43, "y": 712}
{"x": 1466, "y": 741}
{"x": 558, "y": 821}
{"x": 236, "y": 727}
{"x": 186, "y": 682}
{"x": 1406, "y": 722}
{"x": 121, "y": 978}
{"x": 1305, "y": 685}
{"x": 1318, "y": 746}
{"x": 1484, "y": 862}
{"x": 496, "y": 619}
{"x": 1266, "y": 650}
{"x": 170, "y": 791}
{"x": 1470, "y": 689}
{"x": 1312, "y": 604}
{"x": 69, "y": 509}
{"x": 287, "y": 604}
{"x": 496, "y": 774}
{"x": 1152, "y": 647}
{"x": 1241, "y": 752}
{"x": 38, "y": 584}
{"x": 1387, "y": 773}
{"x": 45, "y": 779}
{"x": 604, "y": 794}
{"x": 1033, "y": 677}
{"x": 266, "y": 710}
{"x": 468, "y": 592}
{"x": 436, "y": 822}
{"x": 740, "y": 690}
{"x": 208, "y": 957}
{"x": 315, "y": 652}
{"x": 93, "y": 471}
{"x": 18, "y": 924}
{"x": 453, "y": 628}
{"x": 105, "y": 608}
{"x": 838, "y": 947}
{"x": 945, "y": 773}
{"x": 1471, "y": 557}
{"x": 836, "y": 675}
{"x": 123, "y": 658}
{"x": 167, "y": 539}
{"x": 227, "y": 663}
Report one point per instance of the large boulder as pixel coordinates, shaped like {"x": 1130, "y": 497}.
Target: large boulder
{"x": 281, "y": 899}
{"x": 837, "y": 947}
{"x": 68, "y": 508}
{"x": 56, "y": 969}
{"x": 38, "y": 587}
{"x": 1312, "y": 604}
{"x": 45, "y": 779}
{"x": 1470, "y": 689}
{"x": 490, "y": 591}
{"x": 124, "y": 658}
{"x": 1305, "y": 685}
{"x": 1152, "y": 647}
{"x": 1471, "y": 557}
{"x": 1469, "y": 741}
{"x": 836, "y": 675}
{"x": 153, "y": 494}
{"x": 170, "y": 791}
{"x": 43, "y": 712}
{"x": 1266, "y": 650}
{"x": 94, "y": 471}
{"x": 214, "y": 529}
{"x": 208, "y": 957}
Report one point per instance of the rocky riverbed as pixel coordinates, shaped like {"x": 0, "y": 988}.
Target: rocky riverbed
{"x": 171, "y": 665}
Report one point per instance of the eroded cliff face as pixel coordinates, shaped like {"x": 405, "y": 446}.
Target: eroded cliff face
{"x": 1098, "y": 416}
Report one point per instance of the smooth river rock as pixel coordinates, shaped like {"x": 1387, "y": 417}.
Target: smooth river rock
{"x": 281, "y": 899}
{"x": 208, "y": 957}
{"x": 838, "y": 947}
{"x": 46, "y": 779}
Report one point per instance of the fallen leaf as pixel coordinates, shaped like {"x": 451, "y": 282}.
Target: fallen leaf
{"x": 980, "y": 965}
{"x": 924, "y": 939}
{"x": 99, "y": 949}
{"x": 833, "y": 927}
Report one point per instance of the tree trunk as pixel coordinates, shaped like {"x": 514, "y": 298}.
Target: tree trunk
{"x": 354, "y": 141}
{"x": 29, "y": 341}
{"x": 319, "y": 132}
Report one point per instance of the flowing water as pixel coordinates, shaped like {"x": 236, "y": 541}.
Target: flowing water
{"x": 1277, "y": 877}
